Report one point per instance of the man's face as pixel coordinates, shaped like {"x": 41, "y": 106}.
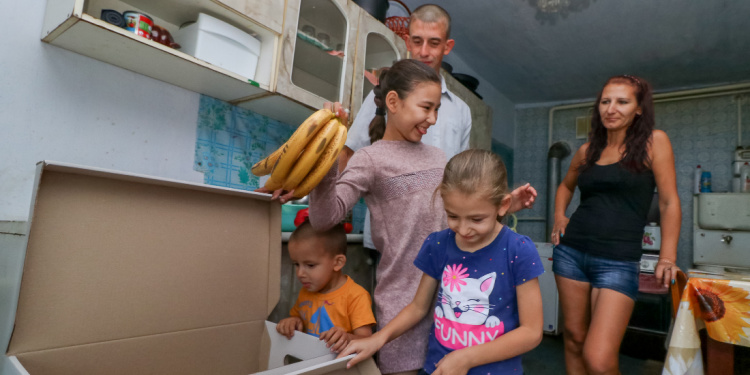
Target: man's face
{"x": 428, "y": 42}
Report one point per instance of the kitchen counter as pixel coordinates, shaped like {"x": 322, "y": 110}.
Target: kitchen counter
{"x": 350, "y": 238}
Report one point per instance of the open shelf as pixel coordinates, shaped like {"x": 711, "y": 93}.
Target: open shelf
{"x": 74, "y": 25}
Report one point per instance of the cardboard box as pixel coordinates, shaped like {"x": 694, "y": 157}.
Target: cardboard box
{"x": 129, "y": 274}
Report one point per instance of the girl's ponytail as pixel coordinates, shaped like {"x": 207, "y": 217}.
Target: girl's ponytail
{"x": 377, "y": 125}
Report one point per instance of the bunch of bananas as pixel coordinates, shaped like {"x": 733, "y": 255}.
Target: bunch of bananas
{"x": 301, "y": 162}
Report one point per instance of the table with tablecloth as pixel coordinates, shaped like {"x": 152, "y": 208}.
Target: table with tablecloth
{"x": 720, "y": 303}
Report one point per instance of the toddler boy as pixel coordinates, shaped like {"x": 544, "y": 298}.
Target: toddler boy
{"x": 330, "y": 305}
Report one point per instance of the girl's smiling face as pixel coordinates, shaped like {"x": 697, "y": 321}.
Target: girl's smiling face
{"x": 410, "y": 117}
{"x": 473, "y": 218}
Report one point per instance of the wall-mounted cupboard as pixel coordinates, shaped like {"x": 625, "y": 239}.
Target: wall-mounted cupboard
{"x": 317, "y": 51}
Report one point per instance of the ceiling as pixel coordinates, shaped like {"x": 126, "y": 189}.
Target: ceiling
{"x": 533, "y": 57}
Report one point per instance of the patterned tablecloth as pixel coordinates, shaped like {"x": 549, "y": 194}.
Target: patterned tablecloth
{"x": 719, "y": 303}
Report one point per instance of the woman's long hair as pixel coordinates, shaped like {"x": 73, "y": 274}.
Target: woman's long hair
{"x": 402, "y": 78}
{"x": 637, "y": 136}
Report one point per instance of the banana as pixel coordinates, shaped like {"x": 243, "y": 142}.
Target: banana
{"x": 311, "y": 154}
{"x": 291, "y": 150}
{"x": 265, "y": 166}
{"x": 304, "y": 133}
{"x": 323, "y": 165}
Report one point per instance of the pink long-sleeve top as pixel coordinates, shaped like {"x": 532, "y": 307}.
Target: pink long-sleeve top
{"x": 398, "y": 181}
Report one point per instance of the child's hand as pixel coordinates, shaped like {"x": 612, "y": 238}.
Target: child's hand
{"x": 287, "y": 326}
{"x": 338, "y": 109}
{"x": 452, "y": 364}
{"x": 282, "y": 195}
{"x": 336, "y": 338}
{"x": 365, "y": 348}
{"x": 523, "y": 197}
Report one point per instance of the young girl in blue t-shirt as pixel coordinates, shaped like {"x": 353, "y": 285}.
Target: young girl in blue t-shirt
{"x": 489, "y": 306}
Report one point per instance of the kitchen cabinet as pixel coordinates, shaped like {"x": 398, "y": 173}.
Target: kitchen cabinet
{"x": 481, "y": 113}
{"x": 377, "y": 47}
{"x": 317, "y": 51}
{"x": 75, "y": 25}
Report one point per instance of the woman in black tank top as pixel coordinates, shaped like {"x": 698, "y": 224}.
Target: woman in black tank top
{"x": 595, "y": 262}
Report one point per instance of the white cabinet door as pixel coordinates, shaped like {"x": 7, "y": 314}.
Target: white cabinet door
{"x": 317, "y": 52}
{"x": 377, "y": 47}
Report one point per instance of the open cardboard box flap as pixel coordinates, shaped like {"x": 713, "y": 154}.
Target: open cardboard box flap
{"x": 129, "y": 274}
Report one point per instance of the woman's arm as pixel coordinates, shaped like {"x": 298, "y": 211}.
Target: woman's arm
{"x": 407, "y": 318}
{"x": 514, "y": 343}
{"x": 565, "y": 194}
{"x": 669, "y": 205}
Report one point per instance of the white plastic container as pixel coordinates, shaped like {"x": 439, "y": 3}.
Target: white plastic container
{"x": 651, "y": 237}
{"x": 697, "y": 181}
{"x": 220, "y": 44}
{"x": 745, "y": 178}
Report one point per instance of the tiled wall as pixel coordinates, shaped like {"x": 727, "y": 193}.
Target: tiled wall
{"x": 702, "y": 131}
{"x": 231, "y": 139}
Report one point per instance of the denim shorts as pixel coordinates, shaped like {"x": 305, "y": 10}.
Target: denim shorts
{"x": 603, "y": 273}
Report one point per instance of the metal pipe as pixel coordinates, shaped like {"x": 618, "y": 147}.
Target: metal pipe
{"x": 739, "y": 120}
{"x": 556, "y": 153}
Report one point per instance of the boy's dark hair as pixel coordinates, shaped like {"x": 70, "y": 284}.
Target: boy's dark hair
{"x": 334, "y": 238}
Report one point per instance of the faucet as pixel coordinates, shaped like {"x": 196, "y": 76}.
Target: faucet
{"x": 726, "y": 238}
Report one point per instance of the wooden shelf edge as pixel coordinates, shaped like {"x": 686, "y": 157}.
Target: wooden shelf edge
{"x": 97, "y": 39}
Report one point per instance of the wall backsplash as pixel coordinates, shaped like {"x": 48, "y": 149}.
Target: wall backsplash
{"x": 702, "y": 131}
{"x": 231, "y": 139}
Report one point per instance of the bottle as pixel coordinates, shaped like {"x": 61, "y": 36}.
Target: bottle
{"x": 697, "y": 182}
{"x": 651, "y": 237}
{"x": 745, "y": 178}
{"x": 706, "y": 182}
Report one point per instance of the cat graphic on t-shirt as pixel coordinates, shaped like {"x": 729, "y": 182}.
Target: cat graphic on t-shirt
{"x": 466, "y": 300}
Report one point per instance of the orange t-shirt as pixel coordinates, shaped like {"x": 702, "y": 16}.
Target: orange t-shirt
{"x": 348, "y": 307}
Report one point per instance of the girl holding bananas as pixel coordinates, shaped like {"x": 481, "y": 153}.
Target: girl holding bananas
{"x": 397, "y": 176}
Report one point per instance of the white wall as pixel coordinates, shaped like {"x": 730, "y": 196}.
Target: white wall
{"x": 58, "y": 105}
{"x": 503, "y": 110}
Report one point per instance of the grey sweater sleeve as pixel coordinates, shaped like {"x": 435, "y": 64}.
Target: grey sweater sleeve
{"x": 336, "y": 194}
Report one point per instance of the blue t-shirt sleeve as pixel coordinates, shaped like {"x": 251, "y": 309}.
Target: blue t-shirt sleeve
{"x": 429, "y": 259}
{"x": 526, "y": 264}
